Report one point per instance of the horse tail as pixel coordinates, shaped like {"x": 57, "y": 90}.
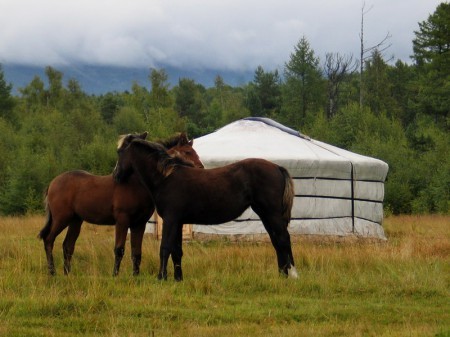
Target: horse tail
{"x": 48, "y": 223}
{"x": 288, "y": 194}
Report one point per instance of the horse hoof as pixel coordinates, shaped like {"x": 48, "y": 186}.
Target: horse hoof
{"x": 283, "y": 273}
{"x": 162, "y": 277}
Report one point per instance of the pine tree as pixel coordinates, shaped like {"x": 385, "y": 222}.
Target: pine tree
{"x": 303, "y": 92}
{"x": 432, "y": 55}
{"x": 264, "y": 93}
{"x": 377, "y": 84}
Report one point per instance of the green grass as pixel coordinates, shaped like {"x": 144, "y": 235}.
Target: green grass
{"x": 346, "y": 288}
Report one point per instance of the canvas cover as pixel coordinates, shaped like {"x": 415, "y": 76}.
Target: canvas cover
{"x": 337, "y": 192}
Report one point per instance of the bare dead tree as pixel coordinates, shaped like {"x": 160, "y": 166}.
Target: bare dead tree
{"x": 337, "y": 68}
{"x": 381, "y": 46}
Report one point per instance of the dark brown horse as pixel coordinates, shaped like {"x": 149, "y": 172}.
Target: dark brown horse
{"x": 184, "y": 194}
{"x": 77, "y": 196}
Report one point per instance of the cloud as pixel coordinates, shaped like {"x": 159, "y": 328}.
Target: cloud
{"x": 212, "y": 34}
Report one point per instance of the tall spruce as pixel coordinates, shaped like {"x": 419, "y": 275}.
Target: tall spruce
{"x": 303, "y": 94}
{"x": 431, "y": 48}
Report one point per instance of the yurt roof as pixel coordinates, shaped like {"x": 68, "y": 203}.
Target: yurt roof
{"x": 255, "y": 137}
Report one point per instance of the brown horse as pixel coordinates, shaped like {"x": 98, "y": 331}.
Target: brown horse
{"x": 77, "y": 196}
{"x": 184, "y": 194}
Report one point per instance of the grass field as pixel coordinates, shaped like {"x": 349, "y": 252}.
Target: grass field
{"x": 396, "y": 288}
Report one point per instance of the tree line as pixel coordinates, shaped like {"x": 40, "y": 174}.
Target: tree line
{"x": 53, "y": 126}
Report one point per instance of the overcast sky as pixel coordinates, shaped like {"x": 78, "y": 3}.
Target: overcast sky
{"x": 215, "y": 34}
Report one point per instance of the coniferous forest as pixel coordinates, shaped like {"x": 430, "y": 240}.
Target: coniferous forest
{"x": 391, "y": 110}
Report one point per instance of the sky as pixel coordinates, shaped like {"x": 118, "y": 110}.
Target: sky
{"x": 200, "y": 34}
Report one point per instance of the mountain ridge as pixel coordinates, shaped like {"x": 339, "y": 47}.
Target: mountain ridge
{"x": 98, "y": 80}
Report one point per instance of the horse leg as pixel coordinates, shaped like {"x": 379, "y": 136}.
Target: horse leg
{"x": 48, "y": 247}
{"x": 119, "y": 248}
{"x": 292, "y": 272}
{"x": 177, "y": 254}
{"x": 137, "y": 234}
{"x": 282, "y": 244}
{"x": 49, "y": 240}
{"x": 286, "y": 263}
{"x": 69, "y": 243}
{"x": 281, "y": 241}
{"x": 167, "y": 246}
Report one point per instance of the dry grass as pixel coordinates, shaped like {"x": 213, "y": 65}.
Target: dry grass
{"x": 395, "y": 288}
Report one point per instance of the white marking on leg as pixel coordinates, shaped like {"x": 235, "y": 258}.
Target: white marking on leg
{"x": 292, "y": 272}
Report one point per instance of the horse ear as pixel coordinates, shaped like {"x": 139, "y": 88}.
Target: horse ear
{"x": 191, "y": 142}
{"x": 183, "y": 140}
{"x": 143, "y": 135}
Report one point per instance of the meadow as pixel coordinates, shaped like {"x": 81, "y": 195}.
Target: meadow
{"x": 398, "y": 287}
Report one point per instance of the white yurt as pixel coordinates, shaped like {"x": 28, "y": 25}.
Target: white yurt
{"x": 337, "y": 192}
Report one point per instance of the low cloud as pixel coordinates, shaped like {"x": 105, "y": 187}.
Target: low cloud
{"x": 231, "y": 35}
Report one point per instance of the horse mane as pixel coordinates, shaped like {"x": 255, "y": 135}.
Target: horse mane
{"x": 121, "y": 140}
{"x": 167, "y": 163}
{"x": 178, "y": 139}
{"x": 129, "y": 137}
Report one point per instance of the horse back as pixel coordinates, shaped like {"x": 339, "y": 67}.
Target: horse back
{"x": 81, "y": 194}
{"x": 264, "y": 176}
{"x": 243, "y": 177}
{"x": 223, "y": 193}
{"x": 98, "y": 199}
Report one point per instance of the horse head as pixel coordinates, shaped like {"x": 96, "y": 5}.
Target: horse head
{"x": 180, "y": 146}
{"x": 134, "y": 151}
{"x": 123, "y": 169}
{"x": 170, "y": 153}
